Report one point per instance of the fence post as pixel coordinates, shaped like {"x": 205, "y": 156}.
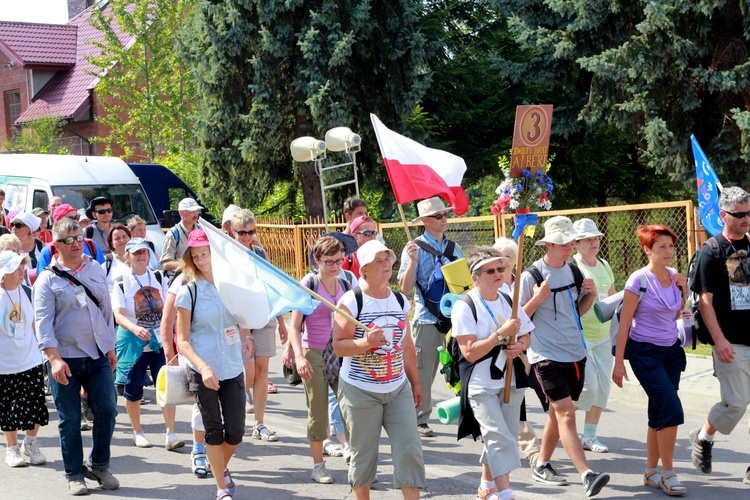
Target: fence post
{"x": 298, "y": 260}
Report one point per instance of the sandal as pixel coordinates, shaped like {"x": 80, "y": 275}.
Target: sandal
{"x": 490, "y": 494}
{"x": 200, "y": 465}
{"x": 272, "y": 388}
{"x": 230, "y": 485}
{"x": 650, "y": 482}
{"x": 674, "y": 490}
{"x": 261, "y": 432}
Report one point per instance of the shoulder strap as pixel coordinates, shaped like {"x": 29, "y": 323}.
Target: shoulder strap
{"x": 713, "y": 244}
{"x": 108, "y": 262}
{"x": 449, "y": 248}
{"x": 577, "y": 276}
{"x": 400, "y": 298}
{"x": 66, "y": 275}
{"x": 507, "y": 298}
{"x": 176, "y": 235}
{"x": 91, "y": 246}
{"x": 193, "y": 291}
{"x": 158, "y": 276}
{"x": 120, "y": 281}
{"x": 39, "y": 244}
{"x": 535, "y": 273}
{"x": 88, "y": 232}
{"x": 644, "y": 285}
{"x": 359, "y": 299}
{"x": 346, "y": 285}
{"x": 27, "y": 291}
{"x": 427, "y": 248}
{"x": 470, "y": 302}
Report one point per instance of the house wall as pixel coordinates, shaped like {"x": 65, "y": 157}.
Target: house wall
{"x": 11, "y": 78}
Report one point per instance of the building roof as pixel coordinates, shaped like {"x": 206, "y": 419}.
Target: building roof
{"x": 31, "y": 44}
{"x": 68, "y": 94}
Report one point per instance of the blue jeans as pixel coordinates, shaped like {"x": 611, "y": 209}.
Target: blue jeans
{"x": 335, "y": 421}
{"x": 95, "y": 376}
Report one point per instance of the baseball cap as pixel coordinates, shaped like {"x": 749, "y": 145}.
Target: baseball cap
{"x": 189, "y": 204}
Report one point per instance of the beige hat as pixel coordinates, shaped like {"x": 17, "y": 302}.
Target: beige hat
{"x": 370, "y": 249}
{"x": 431, "y": 206}
{"x": 558, "y": 230}
{"x": 586, "y": 228}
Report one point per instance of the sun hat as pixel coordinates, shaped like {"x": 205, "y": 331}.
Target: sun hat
{"x": 31, "y": 220}
{"x": 82, "y": 215}
{"x": 189, "y": 204}
{"x": 63, "y": 210}
{"x": 558, "y": 230}
{"x": 136, "y": 244}
{"x": 369, "y": 250}
{"x": 358, "y": 222}
{"x": 38, "y": 211}
{"x": 586, "y": 228}
{"x": 99, "y": 200}
{"x": 347, "y": 240}
{"x": 431, "y": 206}
{"x": 10, "y": 260}
{"x": 479, "y": 264}
{"x": 228, "y": 213}
{"x": 197, "y": 238}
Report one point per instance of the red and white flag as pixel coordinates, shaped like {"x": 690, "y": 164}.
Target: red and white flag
{"x": 418, "y": 172}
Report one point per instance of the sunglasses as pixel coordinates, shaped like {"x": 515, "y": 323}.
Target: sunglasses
{"x": 330, "y": 263}
{"x": 738, "y": 215}
{"x": 494, "y": 270}
{"x": 439, "y": 216}
{"x": 103, "y": 211}
{"x": 246, "y": 233}
{"x": 17, "y": 225}
{"x": 369, "y": 234}
{"x": 68, "y": 240}
{"x": 74, "y": 217}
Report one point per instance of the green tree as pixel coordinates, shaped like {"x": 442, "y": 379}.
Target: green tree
{"x": 656, "y": 70}
{"x": 144, "y": 87}
{"x": 40, "y": 136}
{"x": 269, "y": 71}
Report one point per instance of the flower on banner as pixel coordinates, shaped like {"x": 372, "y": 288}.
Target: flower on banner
{"x": 530, "y": 191}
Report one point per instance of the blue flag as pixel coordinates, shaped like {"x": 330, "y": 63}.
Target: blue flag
{"x": 708, "y": 190}
{"x": 239, "y": 272}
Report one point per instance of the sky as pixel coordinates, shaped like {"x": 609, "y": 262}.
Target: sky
{"x": 34, "y": 11}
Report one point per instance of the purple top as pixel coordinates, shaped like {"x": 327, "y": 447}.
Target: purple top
{"x": 654, "y": 320}
{"x": 318, "y": 326}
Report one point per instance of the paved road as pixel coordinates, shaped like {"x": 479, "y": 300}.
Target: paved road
{"x": 282, "y": 470}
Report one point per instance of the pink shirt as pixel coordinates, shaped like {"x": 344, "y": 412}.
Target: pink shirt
{"x": 317, "y": 328}
{"x": 654, "y": 320}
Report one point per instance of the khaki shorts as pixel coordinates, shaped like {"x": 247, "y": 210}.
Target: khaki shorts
{"x": 265, "y": 342}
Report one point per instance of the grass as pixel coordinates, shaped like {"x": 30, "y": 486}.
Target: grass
{"x": 700, "y": 350}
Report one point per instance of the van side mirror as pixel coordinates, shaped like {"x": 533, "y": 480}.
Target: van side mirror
{"x": 168, "y": 219}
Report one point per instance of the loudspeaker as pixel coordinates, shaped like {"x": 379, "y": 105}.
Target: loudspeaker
{"x": 342, "y": 139}
{"x": 307, "y": 149}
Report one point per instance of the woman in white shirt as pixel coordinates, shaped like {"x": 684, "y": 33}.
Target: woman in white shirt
{"x": 481, "y": 327}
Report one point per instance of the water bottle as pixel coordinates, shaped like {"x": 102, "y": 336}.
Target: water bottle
{"x": 445, "y": 357}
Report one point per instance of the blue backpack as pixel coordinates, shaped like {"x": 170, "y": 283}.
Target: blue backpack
{"x": 436, "y": 286}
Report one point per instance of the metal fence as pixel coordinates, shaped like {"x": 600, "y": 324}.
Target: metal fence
{"x": 288, "y": 245}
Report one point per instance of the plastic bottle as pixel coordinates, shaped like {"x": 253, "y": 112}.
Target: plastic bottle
{"x": 445, "y": 357}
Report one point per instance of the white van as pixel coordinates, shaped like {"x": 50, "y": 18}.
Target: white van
{"x": 30, "y": 181}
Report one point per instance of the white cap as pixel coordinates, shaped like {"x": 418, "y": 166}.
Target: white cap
{"x": 31, "y": 220}
{"x": 370, "y": 249}
{"x": 10, "y": 261}
{"x": 228, "y": 213}
{"x": 189, "y": 204}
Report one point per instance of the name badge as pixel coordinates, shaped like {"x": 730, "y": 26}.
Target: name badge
{"x": 156, "y": 332}
{"x": 19, "y": 330}
{"x": 232, "y": 335}
{"x": 81, "y": 296}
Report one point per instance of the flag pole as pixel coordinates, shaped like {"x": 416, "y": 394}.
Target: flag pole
{"x": 403, "y": 219}
{"x": 514, "y": 315}
{"x": 334, "y": 308}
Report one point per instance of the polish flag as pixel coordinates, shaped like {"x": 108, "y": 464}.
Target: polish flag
{"x": 418, "y": 172}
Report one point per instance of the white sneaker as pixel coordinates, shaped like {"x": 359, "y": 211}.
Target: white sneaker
{"x": 321, "y": 475}
{"x": 593, "y": 444}
{"x": 13, "y": 457}
{"x": 141, "y": 441}
{"x": 31, "y": 450}
{"x": 332, "y": 449}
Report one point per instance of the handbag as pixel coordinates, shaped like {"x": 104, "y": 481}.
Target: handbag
{"x": 290, "y": 374}
{"x": 331, "y": 364}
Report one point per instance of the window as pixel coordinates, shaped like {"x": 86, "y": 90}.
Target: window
{"x": 12, "y": 100}
{"x": 41, "y": 200}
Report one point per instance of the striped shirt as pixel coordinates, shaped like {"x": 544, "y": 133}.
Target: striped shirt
{"x": 381, "y": 369}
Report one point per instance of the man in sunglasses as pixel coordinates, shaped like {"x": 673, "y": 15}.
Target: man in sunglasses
{"x": 74, "y": 323}
{"x": 89, "y": 246}
{"x": 100, "y": 209}
{"x": 722, "y": 283}
{"x": 420, "y": 263}
{"x": 175, "y": 241}
{"x": 363, "y": 229}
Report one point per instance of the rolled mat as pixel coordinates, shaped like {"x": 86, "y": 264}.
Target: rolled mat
{"x": 605, "y": 309}
{"x": 172, "y": 386}
{"x": 457, "y": 276}
{"x": 447, "y": 411}
{"x": 447, "y": 302}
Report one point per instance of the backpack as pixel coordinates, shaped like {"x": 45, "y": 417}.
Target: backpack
{"x": 88, "y": 232}
{"x": 577, "y": 283}
{"x": 346, "y": 285}
{"x": 436, "y": 286}
{"x": 451, "y": 360}
{"x": 32, "y": 255}
{"x": 700, "y": 331}
{"x": 89, "y": 244}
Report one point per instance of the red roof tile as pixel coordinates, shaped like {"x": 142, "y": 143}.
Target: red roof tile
{"x": 67, "y": 94}
{"x": 31, "y": 44}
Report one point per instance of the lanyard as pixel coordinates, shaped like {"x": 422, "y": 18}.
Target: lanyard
{"x": 492, "y": 315}
{"x": 16, "y": 315}
{"x": 147, "y": 293}
{"x": 578, "y": 319}
{"x": 76, "y": 272}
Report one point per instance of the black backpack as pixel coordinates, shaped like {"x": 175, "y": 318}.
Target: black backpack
{"x": 577, "y": 282}
{"x": 700, "y": 331}
{"x": 436, "y": 286}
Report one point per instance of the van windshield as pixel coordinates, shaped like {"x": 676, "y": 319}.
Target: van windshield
{"x": 129, "y": 199}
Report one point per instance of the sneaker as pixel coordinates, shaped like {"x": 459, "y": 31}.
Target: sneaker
{"x": 321, "y": 475}
{"x": 746, "y": 480}
{"x": 85, "y": 426}
{"x": 594, "y": 482}
{"x": 593, "y": 444}
{"x": 701, "y": 453}
{"x": 86, "y": 412}
{"x": 106, "y": 480}
{"x": 13, "y": 457}
{"x": 332, "y": 449}
{"x": 141, "y": 441}
{"x": 425, "y": 431}
{"x": 548, "y": 475}
{"x": 31, "y": 450}
{"x": 77, "y": 487}
{"x": 173, "y": 443}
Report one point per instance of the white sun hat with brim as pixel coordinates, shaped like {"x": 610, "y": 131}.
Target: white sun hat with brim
{"x": 431, "y": 206}
{"x": 586, "y": 228}
{"x": 228, "y": 213}
{"x": 558, "y": 230}
{"x": 367, "y": 252}
{"x": 31, "y": 220}
{"x": 10, "y": 261}
{"x": 478, "y": 265}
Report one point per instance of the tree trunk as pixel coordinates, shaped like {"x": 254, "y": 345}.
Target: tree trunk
{"x": 311, "y": 190}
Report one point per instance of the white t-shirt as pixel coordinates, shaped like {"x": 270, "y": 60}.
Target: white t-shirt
{"x": 379, "y": 370}
{"x": 483, "y": 327}
{"x": 143, "y": 302}
{"x": 19, "y": 350}
{"x": 116, "y": 270}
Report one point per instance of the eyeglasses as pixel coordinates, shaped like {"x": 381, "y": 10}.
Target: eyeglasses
{"x": 438, "y": 216}
{"x": 103, "y": 211}
{"x": 246, "y": 233}
{"x": 330, "y": 263}
{"x": 494, "y": 270}
{"x": 738, "y": 215}
{"x": 369, "y": 234}
{"x": 68, "y": 240}
{"x": 17, "y": 225}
